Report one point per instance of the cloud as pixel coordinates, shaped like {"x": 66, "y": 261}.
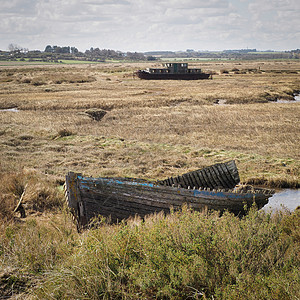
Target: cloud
{"x": 143, "y": 25}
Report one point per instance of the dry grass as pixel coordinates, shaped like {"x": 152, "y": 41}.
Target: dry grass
{"x": 37, "y": 192}
{"x": 52, "y": 87}
{"x": 156, "y": 142}
{"x": 152, "y": 129}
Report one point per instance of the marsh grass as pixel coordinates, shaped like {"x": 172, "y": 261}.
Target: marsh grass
{"x": 154, "y": 143}
{"x": 38, "y": 195}
{"x": 29, "y": 246}
{"x": 183, "y": 255}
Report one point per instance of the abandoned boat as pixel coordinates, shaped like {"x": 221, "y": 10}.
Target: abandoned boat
{"x": 179, "y": 71}
{"x": 121, "y": 198}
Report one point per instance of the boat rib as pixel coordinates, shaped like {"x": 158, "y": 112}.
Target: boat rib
{"x": 222, "y": 175}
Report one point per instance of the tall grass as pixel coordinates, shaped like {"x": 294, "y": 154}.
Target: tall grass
{"x": 38, "y": 194}
{"x": 32, "y": 245}
{"x": 184, "y": 255}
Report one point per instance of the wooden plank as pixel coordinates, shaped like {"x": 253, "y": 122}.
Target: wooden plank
{"x": 227, "y": 179}
{"x": 200, "y": 180}
{"x": 232, "y": 169}
{"x": 204, "y": 177}
{"x": 195, "y": 180}
{"x": 217, "y": 177}
{"x": 71, "y": 190}
{"x": 190, "y": 181}
{"x": 74, "y": 199}
{"x": 213, "y": 177}
{"x": 159, "y": 196}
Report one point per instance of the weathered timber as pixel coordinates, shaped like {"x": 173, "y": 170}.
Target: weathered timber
{"x": 223, "y": 175}
{"x": 121, "y": 198}
{"x": 74, "y": 201}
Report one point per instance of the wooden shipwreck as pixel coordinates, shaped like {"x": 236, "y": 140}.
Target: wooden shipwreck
{"x": 120, "y": 198}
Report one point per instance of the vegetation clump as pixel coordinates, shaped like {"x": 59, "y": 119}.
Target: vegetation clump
{"x": 96, "y": 114}
{"x": 37, "y": 195}
{"x": 184, "y": 255}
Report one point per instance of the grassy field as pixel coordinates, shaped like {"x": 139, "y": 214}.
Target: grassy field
{"x": 151, "y": 130}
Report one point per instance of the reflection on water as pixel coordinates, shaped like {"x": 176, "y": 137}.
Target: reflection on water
{"x": 14, "y": 109}
{"x": 288, "y": 198}
{"x": 296, "y": 98}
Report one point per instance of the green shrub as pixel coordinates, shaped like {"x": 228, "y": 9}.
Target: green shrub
{"x": 184, "y": 255}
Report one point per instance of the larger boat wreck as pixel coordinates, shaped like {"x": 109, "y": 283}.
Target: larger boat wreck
{"x": 173, "y": 71}
{"x": 213, "y": 188}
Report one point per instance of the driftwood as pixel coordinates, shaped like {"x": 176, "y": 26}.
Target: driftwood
{"x": 20, "y": 208}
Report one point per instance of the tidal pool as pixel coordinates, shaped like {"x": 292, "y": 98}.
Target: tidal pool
{"x": 285, "y": 199}
{"x": 14, "y": 109}
{"x": 296, "y": 98}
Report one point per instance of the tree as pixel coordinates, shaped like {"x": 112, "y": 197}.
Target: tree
{"x": 151, "y": 58}
{"x": 48, "y": 49}
{"x": 74, "y": 50}
{"x": 14, "y": 47}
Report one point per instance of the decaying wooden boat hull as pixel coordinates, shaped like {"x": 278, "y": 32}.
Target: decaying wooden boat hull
{"x": 121, "y": 198}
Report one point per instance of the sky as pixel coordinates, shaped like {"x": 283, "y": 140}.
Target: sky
{"x": 148, "y": 25}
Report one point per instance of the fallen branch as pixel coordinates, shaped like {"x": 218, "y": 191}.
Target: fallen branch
{"x": 20, "y": 207}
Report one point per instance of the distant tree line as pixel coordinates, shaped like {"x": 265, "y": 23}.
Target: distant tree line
{"x": 246, "y": 54}
{"x": 58, "y": 49}
{"x": 58, "y": 53}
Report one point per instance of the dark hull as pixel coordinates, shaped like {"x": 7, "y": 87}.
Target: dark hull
{"x": 187, "y": 76}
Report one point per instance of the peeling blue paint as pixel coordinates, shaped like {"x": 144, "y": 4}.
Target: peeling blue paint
{"x": 85, "y": 182}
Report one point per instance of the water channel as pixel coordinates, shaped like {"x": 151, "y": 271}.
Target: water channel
{"x": 285, "y": 199}
{"x": 296, "y": 99}
{"x": 14, "y": 109}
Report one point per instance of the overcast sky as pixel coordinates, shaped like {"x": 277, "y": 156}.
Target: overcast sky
{"x": 144, "y": 25}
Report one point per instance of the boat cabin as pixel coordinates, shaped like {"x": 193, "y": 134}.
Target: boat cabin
{"x": 174, "y": 68}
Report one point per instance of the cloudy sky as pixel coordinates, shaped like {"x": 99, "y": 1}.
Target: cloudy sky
{"x": 144, "y": 25}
